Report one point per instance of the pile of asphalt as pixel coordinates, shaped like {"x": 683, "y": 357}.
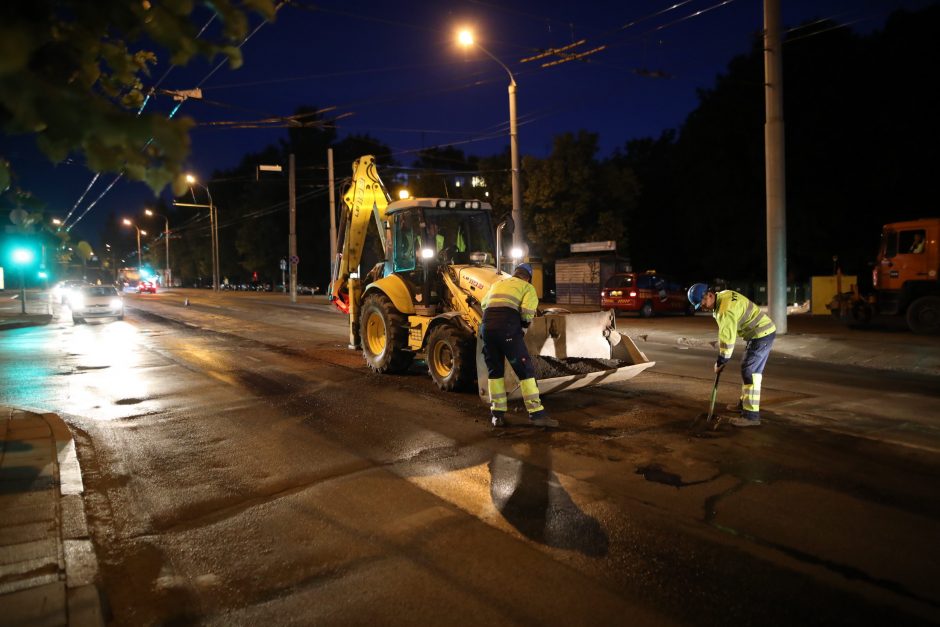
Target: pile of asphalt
{"x": 550, "y": 367}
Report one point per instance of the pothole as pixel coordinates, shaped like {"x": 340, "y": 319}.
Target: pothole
{"x": 129, "y": 401}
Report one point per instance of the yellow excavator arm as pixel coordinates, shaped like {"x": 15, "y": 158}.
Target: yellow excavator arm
{"x": 365, "y": 198}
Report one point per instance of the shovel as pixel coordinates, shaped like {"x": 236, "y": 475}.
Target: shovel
{"x": 711, "y": 408}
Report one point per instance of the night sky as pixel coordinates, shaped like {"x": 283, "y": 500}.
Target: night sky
{"x": 393, "y": 70}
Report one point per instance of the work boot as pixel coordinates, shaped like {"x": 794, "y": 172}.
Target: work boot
{"x": 541, "y": 419}
{"x": 741, "y": 421}
{"x": 497, "y": 419}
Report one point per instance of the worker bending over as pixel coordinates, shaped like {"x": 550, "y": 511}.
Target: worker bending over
{"x": 508, "y": 306}
{"x": 736, "y": 315}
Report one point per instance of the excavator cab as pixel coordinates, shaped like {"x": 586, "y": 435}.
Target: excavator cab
{"x": 439, "y": 232}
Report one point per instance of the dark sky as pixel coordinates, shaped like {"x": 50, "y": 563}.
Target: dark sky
{"x": 394, "y": 70}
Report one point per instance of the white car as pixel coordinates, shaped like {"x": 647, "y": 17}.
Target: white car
{"x": 96, "y": 301}
{"x": 63, "y": 290}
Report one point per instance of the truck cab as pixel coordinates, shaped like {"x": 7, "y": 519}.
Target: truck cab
{"x": 905, "y": 273}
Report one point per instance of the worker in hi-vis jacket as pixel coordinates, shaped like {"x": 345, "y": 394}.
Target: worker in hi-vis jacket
{"x": 736, "y": 315}
{"x": 508, "y": 307}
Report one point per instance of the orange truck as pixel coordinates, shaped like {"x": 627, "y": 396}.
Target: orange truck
{"x": 905, "y": 276}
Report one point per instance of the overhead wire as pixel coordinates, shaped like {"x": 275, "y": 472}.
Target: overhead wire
{"x": 170, "y": 115}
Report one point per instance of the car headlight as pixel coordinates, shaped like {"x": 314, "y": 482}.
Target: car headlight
{"x": 76, "y": 301}
{"x": 115, "y": 303}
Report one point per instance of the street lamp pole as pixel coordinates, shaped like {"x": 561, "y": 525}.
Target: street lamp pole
{"x": 139, "y": 259}
{"x": 213, "y": 228}
{"x": 466, "y": 38}
{"x": 166, "y": 238}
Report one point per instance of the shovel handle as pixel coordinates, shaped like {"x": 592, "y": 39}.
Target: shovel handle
{"x": 711, "y": 405}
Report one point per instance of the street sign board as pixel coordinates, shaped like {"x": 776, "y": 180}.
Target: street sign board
{"x": 594, "y": 247}
{"x": 294, "y": 259}
{"x": 283, "y": 264}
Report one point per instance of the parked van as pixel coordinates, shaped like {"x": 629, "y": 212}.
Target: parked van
{"x": 646, "y": 293}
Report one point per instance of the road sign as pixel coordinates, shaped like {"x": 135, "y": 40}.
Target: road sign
{"x": 294, "y": 260}
{"x": 283, "y": 264}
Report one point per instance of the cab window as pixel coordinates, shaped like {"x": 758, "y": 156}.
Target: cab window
{"x": 407, "y": 240}
{"x": 623, "y": 280}
{"x": 911, "y": 242}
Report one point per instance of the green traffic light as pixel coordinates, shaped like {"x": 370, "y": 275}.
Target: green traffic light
{"x": 22, "y": 256}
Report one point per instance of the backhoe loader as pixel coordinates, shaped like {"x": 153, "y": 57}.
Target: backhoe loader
{"x": 423, "y": 300}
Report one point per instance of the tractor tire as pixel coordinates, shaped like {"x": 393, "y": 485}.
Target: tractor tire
{"x": 451, "y": 358}
{"x": 647, "y": 310}
{"x": 383, "y": 331}
{"x": 923, "y": 315}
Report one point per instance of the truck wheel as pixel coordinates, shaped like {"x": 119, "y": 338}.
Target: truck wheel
{"x": 923, "y": 315}
{"x": 383, "y": 331}
{"x": 647, "y": 310}
{"x": 451, "y": 358}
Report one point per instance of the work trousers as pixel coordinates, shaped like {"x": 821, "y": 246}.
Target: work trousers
{"x": 503, "y": 340}
{"x": 752, "y": 371}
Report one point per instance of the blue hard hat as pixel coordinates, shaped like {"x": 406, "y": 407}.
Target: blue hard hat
{"x": 697, "y": 293}
{"x": 526, "y": 267}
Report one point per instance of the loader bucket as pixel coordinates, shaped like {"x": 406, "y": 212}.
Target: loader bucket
{"x": 572, "y": 351}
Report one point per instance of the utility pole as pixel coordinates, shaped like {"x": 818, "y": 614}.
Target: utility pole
{"x": 329, "y": 169}
{"x": 291, "y": 184}
{"x": 775, "y": 168}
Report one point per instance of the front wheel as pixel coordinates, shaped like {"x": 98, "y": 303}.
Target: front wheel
{"x": 647, "y": 310}
{"x": 923, "y": 315}
{"x": 451, "y": 358}
{"x": 383, "y": 331}
{"x": 77, "y": 320}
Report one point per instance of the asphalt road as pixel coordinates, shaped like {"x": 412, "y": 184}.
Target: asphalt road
{"x": 242, "y": 466}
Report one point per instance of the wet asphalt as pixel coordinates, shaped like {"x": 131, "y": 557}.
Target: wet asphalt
{"x": 242, "y": 465}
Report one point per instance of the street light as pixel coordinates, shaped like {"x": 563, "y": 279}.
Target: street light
{"x": 166, "y": 238}
{"x": 465, "y": 39}
{"x": 21, "y": 257}
{"x": 139, "y": 233}
{"x": 213, "y": 228}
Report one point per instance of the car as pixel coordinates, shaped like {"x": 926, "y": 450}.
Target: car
{"x": 646, "y": 293}
{"x": 96, "y": 301}
{"x": 147, "y": 286}
{"x": 63, "y": 289}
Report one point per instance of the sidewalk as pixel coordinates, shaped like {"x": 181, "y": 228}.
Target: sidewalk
{"x": 47, "y": 561}
{"x": 11, "y": 309}
{"x": 817, "y": 338}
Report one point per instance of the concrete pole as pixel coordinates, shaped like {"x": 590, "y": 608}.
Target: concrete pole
{"x": 329, "y": 168}
{"x": 139, "y": 260}
{"x": 775, "y": 170}
{"x": 215, "y": 274}
{"x": 166, "y": 238}
{"x": 292, "y": 188}
{"x": 517, "y": 236}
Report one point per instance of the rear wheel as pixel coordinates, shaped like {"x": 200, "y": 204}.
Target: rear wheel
{"x": 451, "y": 358}
{"x": 647, "y": 310}
{"x": 923, "y": 315}
{"x": 383, "y": 331}
{"x": 77, "y": 320}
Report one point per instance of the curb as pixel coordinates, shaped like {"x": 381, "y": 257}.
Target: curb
{"x": 48, "y": 598}
{"x": 18, "y": 323}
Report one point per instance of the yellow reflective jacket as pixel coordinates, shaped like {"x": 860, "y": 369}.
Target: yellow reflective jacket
{"x": 736, "y": 315}
{"x": 513, "y": 293}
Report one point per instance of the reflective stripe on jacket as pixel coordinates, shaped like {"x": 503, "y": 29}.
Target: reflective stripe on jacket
{"x": 736, "y": 315}
{"x": 513, "y": 293}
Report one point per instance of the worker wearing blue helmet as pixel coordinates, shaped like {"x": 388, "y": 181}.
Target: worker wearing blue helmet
{"x": 738, "y": 316}
{"x": 508, "y": 307}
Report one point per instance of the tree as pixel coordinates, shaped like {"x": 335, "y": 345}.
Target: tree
{"x": 570, "y": 196}
{"x": 72, "y": 73}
